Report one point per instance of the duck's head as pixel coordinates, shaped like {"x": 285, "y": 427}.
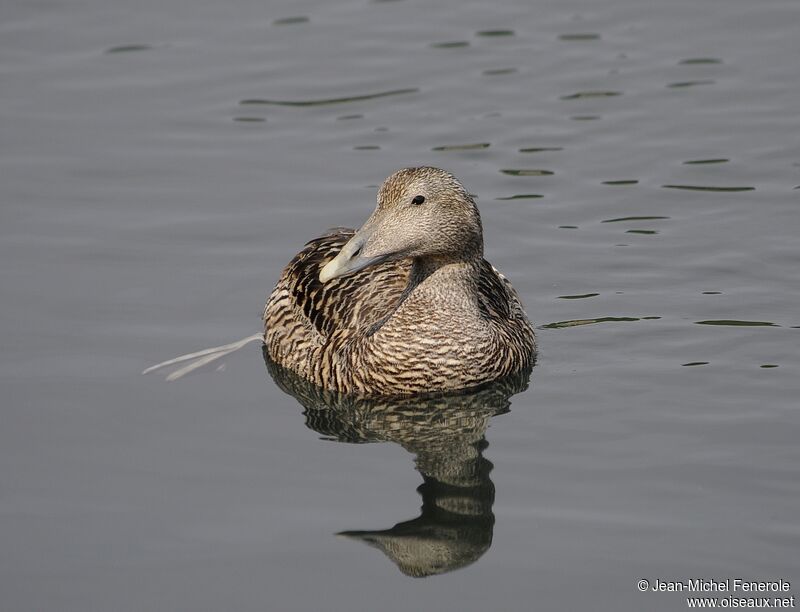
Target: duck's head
{"x": 422, "y": 213}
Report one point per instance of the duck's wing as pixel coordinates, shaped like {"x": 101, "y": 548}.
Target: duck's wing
{"x": 345, "y": 305}
{"x": 498, "y": 298}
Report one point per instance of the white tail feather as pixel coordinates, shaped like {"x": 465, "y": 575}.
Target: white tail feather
{"x": 200, "y": 358}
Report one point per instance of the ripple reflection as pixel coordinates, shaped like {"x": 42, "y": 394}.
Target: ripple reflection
{"x": 129, "y": 48}
{"x": 327, "y": 101}
{"x": 716, "y": 160}
{"x": 708, "y": 188}
{"x": 591, "y": 94}
{"x": 498, "y": 71}
{"x": 681, "y": 84}
{"x": 621, "y": 219}
{"x": 463, "y": 147}
{"x": 579, "y": 322}
{"x": 580, "y": 36}
{"x": 701, "y": 60}
{"x": 737, "y": 323}
{"x": 290, "y": 20}
{"x": 540, "y": 149}
{"x": 522, "y": 196}
{"x": 453, "y": 44}
{"x": 446, "y": 436}
{"x": 527, "y": 172}
{"x": 494, "y": 33}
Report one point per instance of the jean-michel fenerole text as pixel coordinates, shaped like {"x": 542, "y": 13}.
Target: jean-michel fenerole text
{"x": 725, "y": 585}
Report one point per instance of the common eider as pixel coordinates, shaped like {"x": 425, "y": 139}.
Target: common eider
{"x": 405, "y": 305}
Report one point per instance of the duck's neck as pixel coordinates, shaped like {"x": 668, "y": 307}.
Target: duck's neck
{"x": 444, "y": 274}
{"x": 436, "y": 287}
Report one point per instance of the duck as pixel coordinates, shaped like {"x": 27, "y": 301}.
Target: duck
{"x": 405, "y": 305}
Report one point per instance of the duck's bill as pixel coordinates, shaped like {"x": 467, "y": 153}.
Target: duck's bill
{"x": 340, "y": 266}
{"x": 350, "y": 259}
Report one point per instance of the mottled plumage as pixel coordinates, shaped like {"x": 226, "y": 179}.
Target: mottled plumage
{"x": 406, "y": 304}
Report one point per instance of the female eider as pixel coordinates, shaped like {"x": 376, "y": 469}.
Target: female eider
{"x": 406, "y": 304}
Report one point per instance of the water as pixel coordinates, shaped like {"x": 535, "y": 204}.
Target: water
{"x": 637, "y": 167}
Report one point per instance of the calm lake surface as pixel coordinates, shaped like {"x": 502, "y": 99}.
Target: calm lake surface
{"x": 637, "y": 166}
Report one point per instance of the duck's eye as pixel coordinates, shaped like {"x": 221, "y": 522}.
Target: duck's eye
{"x": 418, "y": 200}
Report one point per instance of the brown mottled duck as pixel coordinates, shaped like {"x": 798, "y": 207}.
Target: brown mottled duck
{"x": 405, "y": 305}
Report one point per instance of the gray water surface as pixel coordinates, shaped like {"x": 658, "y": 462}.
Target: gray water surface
{"x": 637, "y": 166}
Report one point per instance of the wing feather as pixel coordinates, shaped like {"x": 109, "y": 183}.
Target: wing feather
{"x": 341, "y": 306}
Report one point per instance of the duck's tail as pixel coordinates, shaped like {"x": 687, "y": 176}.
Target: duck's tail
{"x": 201, "y": 358}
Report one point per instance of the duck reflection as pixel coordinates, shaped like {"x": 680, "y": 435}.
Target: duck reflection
{"x": 446, "y": 436}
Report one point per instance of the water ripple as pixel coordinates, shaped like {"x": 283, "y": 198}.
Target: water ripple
{"x": 495, "y": 33}
{"x": 129, "y": 48}
{"x": 579, "y": 36}
{"x": 716, "y": 160}
{"x": 708, "y": 188}
{"x": 700, "y": 60}
{"x": 735, "y": 323}
{"x": 591, "y": 94}
{"x": 328, "y": 101}
{"x": 680, "y": 84}
{"x": 581, "y": 296}
{"x": 463, "y": 147}
{"x": 290, "y": 20}
{"x": 453, "y": 44}
{"x": 579, "y": 322}
{"x": 498, "y": 71}
{"x": 620, "y": 219}
{"x": 527, "y": 172}
{"x": 540, "y": 149}
{"x": 522, "y": 196}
